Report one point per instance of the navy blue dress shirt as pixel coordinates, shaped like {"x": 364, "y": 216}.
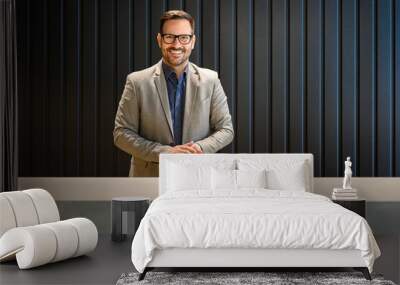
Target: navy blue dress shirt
{"x": 176, "y": 94}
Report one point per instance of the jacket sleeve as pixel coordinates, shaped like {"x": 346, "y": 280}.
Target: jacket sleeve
{"x": 220, "y": 122}
{"x": 126, "y": 135}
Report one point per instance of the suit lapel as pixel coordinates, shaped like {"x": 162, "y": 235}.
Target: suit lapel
{"x": 162, "y": 90}
{"x": 192, "y": 86}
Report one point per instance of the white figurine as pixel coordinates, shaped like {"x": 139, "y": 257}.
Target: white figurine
{"x": 347, "y": 174}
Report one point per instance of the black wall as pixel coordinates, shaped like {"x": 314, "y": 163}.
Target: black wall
{"x": 301, "y": 76}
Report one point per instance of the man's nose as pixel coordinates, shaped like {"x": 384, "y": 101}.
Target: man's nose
{"x": 176, "y": 43}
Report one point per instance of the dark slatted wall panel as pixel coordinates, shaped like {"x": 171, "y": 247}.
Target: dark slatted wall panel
{"x": 367, "y": 88}
{"x": 300, "y": 76}
{"x": 384, "y": 85}
{"x": 397, "y": 87}
{"x": 332, "y": 91}
{"x": 315, "y": 82}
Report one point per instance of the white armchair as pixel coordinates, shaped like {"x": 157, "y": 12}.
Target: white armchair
{"x": 31, "y": 230}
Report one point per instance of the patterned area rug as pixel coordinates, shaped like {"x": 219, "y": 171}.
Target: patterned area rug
{"x": 243, "y": 278}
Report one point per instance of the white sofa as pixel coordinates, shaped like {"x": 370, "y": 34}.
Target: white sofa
{"x": 31, "y": 230}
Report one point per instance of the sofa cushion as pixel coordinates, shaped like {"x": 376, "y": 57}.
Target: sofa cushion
{"x": 45, "y": 205}
{"x": 27, "y": 208}
{"x": 7, "y": 215}
{"x": 23, "y": 208}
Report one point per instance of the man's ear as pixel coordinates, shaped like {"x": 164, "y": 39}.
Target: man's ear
{"x": 159, "y": 40}
{"x": 193, "y": 41}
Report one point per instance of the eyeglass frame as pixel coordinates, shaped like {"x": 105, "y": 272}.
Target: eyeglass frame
{"x": 177, "y": 37}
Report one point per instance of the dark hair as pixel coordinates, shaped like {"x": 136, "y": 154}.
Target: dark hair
{"x": 176, "y": 15}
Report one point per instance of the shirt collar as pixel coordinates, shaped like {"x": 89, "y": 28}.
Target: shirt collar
{"x": 168, "y": 71}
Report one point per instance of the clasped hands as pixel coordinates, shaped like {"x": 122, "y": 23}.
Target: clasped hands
{"x": 189, "y": 147}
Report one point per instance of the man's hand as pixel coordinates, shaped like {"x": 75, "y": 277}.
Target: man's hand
{"x": 189, "y": 147}
{"x": 197, "y": 148}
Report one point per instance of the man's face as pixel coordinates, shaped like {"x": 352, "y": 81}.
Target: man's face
{"x": 176, "y": 53}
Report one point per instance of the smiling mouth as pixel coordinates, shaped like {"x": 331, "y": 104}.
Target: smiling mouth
{"x": 175, "y": 52}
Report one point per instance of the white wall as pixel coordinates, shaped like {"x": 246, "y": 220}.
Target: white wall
{"x": 103, "y": 189}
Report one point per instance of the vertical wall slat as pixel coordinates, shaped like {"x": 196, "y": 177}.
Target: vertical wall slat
{"x": 397, "y": 87}
{"x": 36, "y": 83}
{"x": 175, "y": 5}
{"x": 227, "y": 62}
{"x": 244, "y": 51}
{"x": 384, "y": 88}
{"x": 349, "y": 82}
{"x": 96, "y": 54}
{"x": 297, "y": 78}
{"x": 262, "y": 79}
{"x": 123, "y": 69}
{"x": 79, "y": 85}
{"x": 210, "y": 38}
{"x": 55, "y": 98}
{"x": 367, "y": 88}
{"x": 61, "y": 89}
{"x": 107, "y": 79}
{"x": 280, "y": 80}
{"x": 141, "y": 34}
{"x": 193, "y": 7}
{"x": 89, "y": 142}
{"x": 314, "y": 82}
{"x": 70, "y": 87}
{"x": 45, "y": 91}
{"x": 157, "y": 8}
{"x": 24, "y": 108}
{"x": 332, "y": 87}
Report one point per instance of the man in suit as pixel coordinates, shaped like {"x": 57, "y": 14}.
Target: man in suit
{"x": 173, "y": 106}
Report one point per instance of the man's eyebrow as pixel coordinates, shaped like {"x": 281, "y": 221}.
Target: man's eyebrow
{"x": 175, "y": 34}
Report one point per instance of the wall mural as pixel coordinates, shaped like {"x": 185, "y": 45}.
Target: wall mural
{"x": 314, "y": 76}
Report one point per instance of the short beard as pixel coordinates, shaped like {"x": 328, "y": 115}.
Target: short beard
{"x": 174, "y": 63}
{"x": 184, "y": 58}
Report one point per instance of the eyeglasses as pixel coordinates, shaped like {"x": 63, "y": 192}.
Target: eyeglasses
{"x": 183, "y": 39}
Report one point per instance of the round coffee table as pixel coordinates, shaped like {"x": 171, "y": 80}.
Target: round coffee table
{"x": 127, "y": 212}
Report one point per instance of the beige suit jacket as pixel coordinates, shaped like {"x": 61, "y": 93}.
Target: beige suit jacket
{"x": 143, "y": 124}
